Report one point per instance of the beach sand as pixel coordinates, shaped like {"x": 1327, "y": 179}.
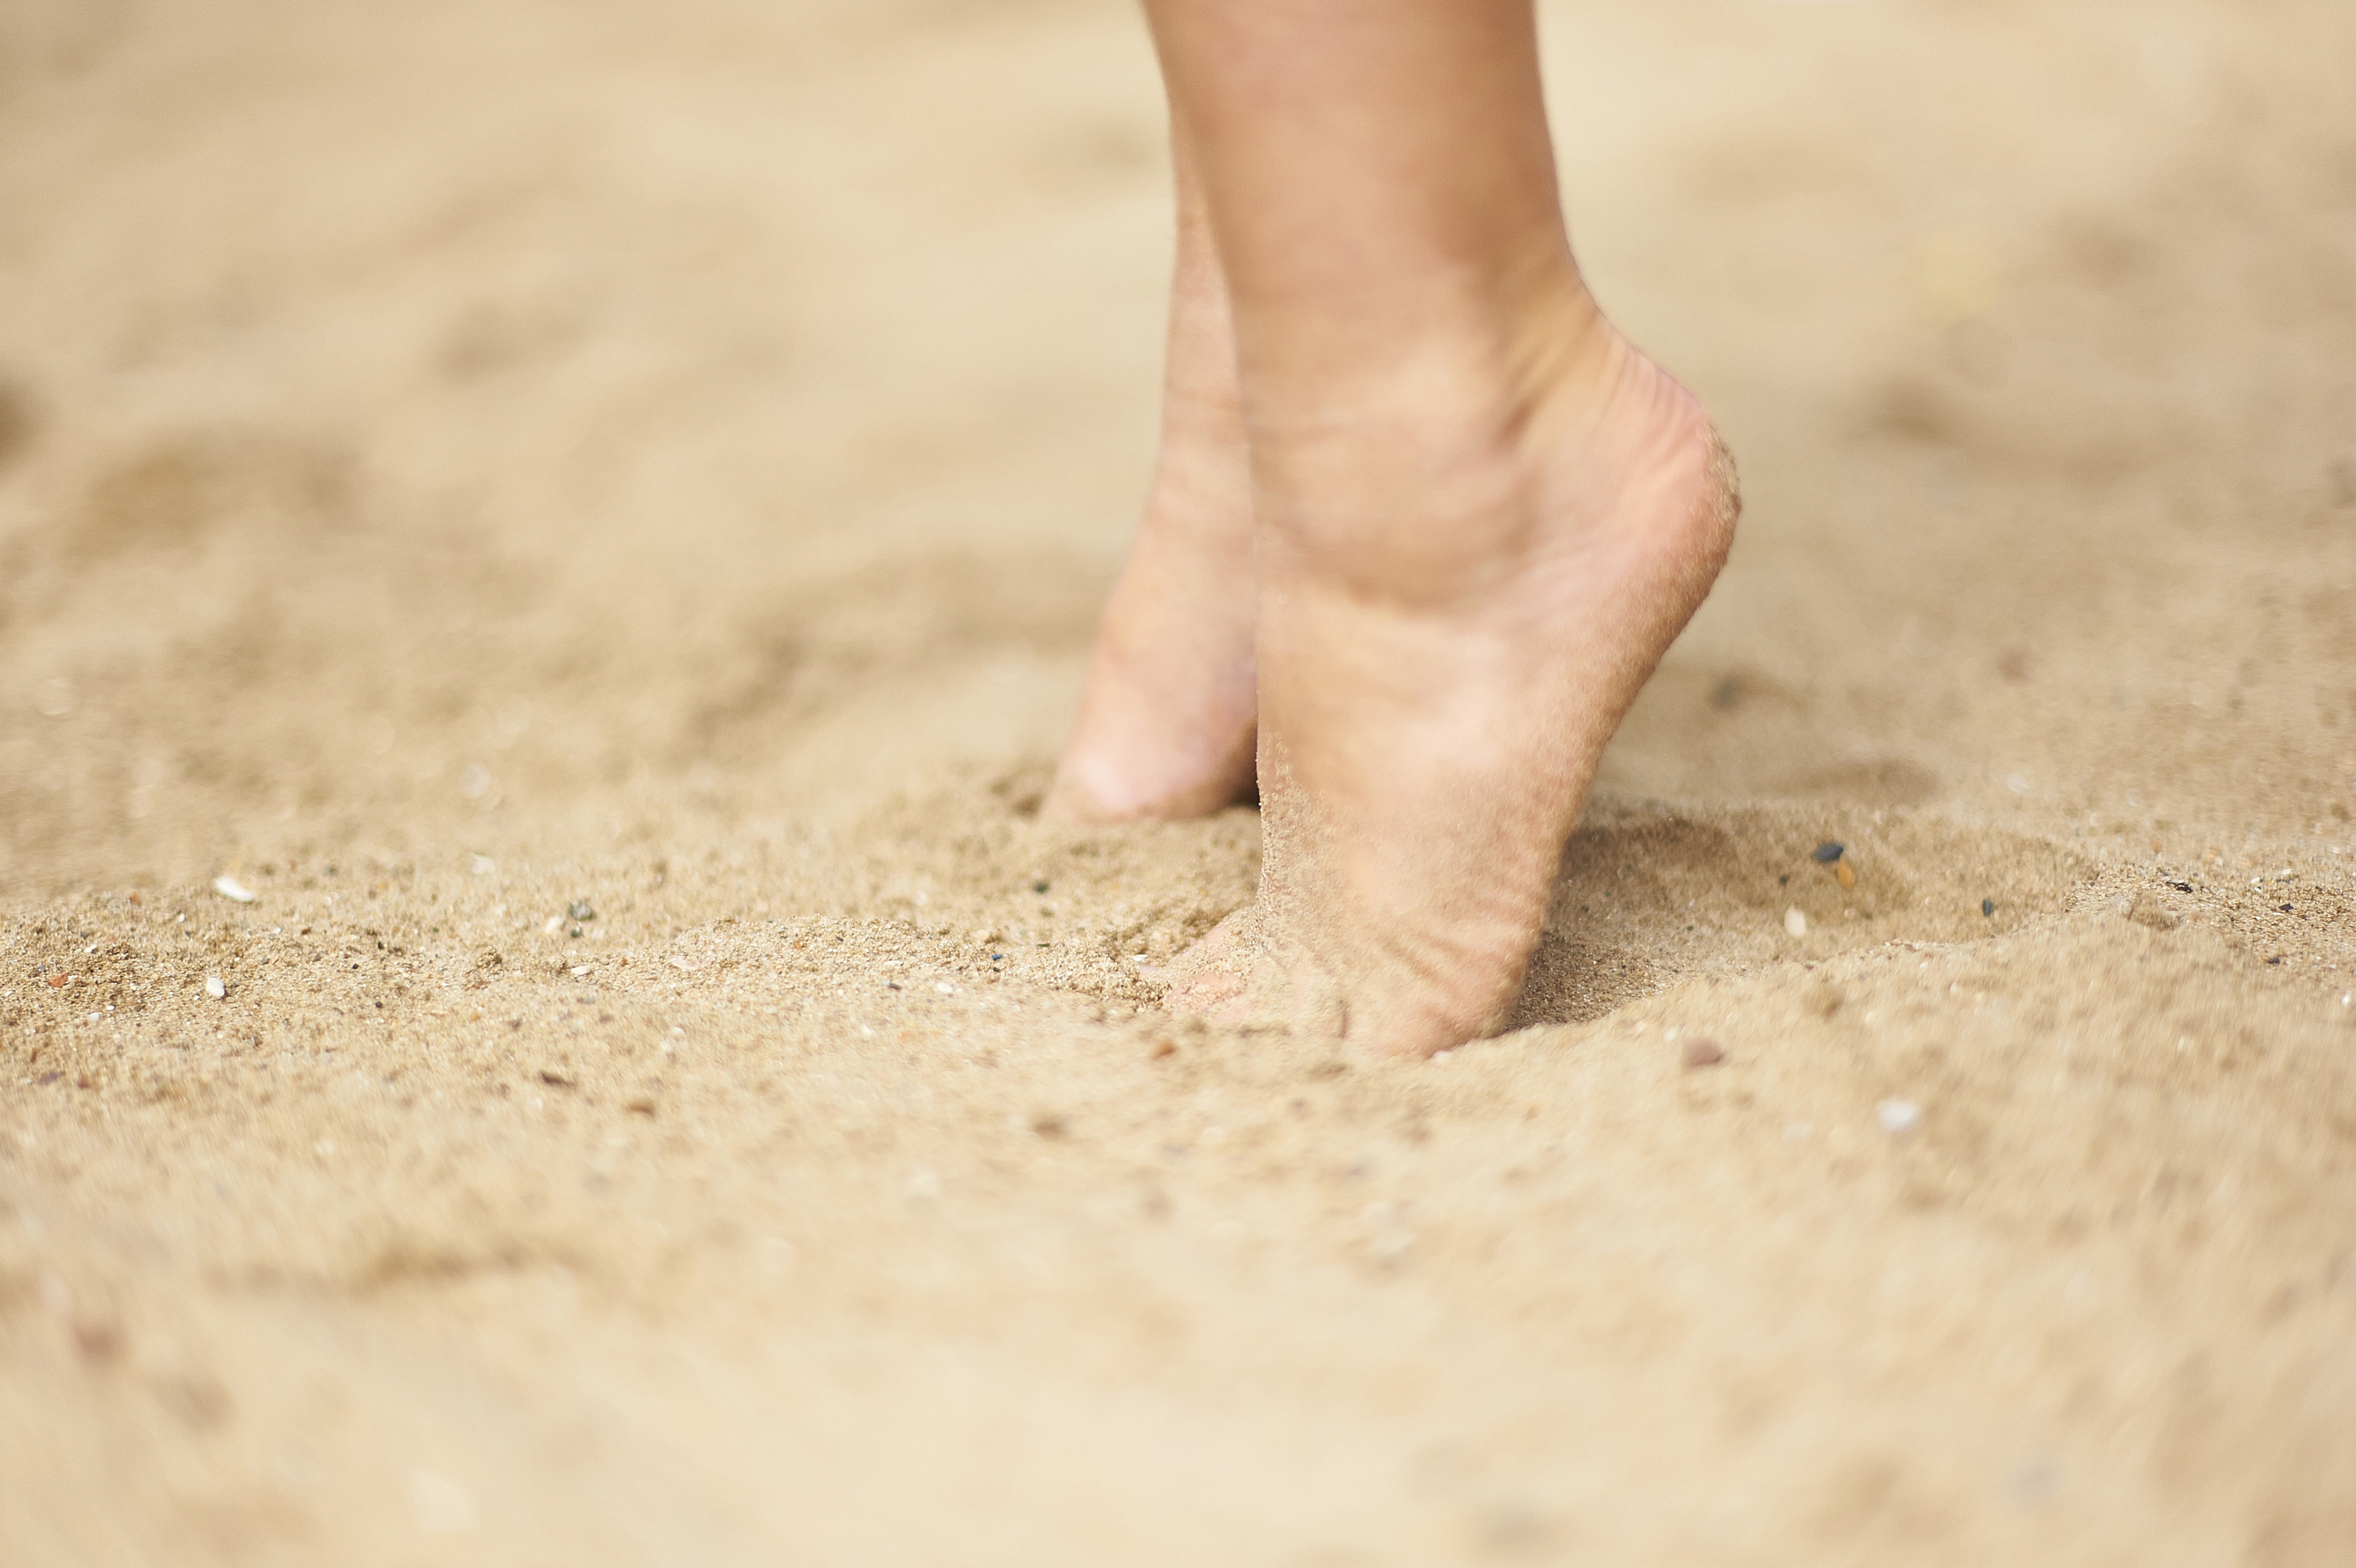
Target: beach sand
{"x": 590, "y": 515}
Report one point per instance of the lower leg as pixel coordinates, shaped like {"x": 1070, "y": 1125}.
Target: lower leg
{"x": 1165, "y": 724}
{"x": 1482, "y": 515}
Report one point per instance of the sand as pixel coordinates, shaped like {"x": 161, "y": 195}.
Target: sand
{"x": 591, "y": 514}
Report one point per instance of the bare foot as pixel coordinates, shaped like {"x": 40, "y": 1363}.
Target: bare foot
{"x": 1166, "y": 723}
{"x": 1465, "y": 577}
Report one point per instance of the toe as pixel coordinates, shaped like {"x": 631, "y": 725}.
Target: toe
{"x": 1237, "y": 977}
{"x": 1203, "y": 979}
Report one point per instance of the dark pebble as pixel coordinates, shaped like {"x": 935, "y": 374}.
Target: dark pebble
{"x": 2181, "y": 886}
{"x": 579, "y": 910}
{"x": 1038, "y": 887}
{"x": 1988, "y": 908}
{"x": 1829, "y": 850}
{"x": 97, "y": 1341}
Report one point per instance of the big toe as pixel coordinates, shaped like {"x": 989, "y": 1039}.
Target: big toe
{"x": 1203, "y": 978}
{"x": 1237, "y": 976}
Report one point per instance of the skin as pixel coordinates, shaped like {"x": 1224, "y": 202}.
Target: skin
{"x": 1477, "y": 516}
{"x": 1166, "y": 721}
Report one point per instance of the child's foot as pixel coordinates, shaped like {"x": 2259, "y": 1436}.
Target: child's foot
{"x": 1465, "y": 577}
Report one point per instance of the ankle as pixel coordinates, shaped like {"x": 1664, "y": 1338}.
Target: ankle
{"x": 1426, "y": 453}
{"x": 1474, "y": 329}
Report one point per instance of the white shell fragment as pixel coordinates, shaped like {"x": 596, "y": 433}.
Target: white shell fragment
{"x": 1795, "y": 922}
{"x": 1897, "y": 1117}
{"x": 216, "y": 987}
{"x": 231, "y": 887}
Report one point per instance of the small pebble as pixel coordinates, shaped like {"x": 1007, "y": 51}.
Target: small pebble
{"x": 439, "y": 1505}
{"x": 56, "y": 699}
{"x": 1988, "y": 908}
{"x": 1703, "y": 1053}
{"x": 578, "y": 969}
{"x": 554, "y": 924}
{"x": 1829, "y": 852}
{"x": 681, "y": 961}
{"x": 215, "y": 987}
{"x": 1897, "y": 1117}
{"x": 484, "y": 865}
{"x": 1795, "y": 922}
{"x": 1844, "y": 874}
{"x": 231, "y": 887}
{"x": 579, "y": 910}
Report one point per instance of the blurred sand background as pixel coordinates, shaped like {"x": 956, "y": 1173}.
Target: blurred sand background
{"x": 592, "y": 513}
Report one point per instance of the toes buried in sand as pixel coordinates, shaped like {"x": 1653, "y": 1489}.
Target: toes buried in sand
{"x": 1240, "y": 977}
